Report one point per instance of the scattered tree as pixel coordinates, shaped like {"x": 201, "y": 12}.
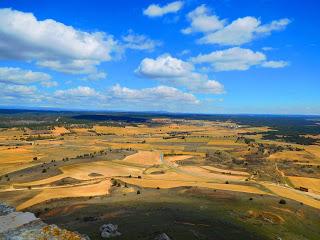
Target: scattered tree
{"x": 282, "y": 201}
{"x": 114, "y": 182}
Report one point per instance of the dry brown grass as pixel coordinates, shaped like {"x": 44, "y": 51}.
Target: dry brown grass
{"x": 301, "y": 156}
{"x": 97, "y": 189}
{"x": 226, "y": 171}
{"x": 79, "y": 130}
{"x": 60, "y": 130}
{"x": 208, "y": 174}
{"x": 224, "y": 142}
{"x": 16, "y": 155}
{"x": 16, "y": 158}
{"x": 293, "y": 194}
{"x": 314, "y": 149}
{"x": 207, "y": 128}
{"x": 81, "y": 171}
{"x": 210, "y": 136}
{"x": 177, "y": 158}
{"x": 312, "y": 184}
{"x": 145, "y": 158}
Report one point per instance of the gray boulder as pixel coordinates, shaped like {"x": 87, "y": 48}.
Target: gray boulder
{"x": 109, "y": 230}
{"x": 5, "y": 209}
{"x": 162, "y": 236}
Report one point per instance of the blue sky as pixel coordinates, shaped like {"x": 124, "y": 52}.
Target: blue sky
{"x": 219, "y": 56}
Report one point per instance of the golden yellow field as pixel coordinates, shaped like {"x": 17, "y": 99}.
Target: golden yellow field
{"x": 145, "y": 158}
{"x": 293, "y": 156}
{"x": 82, "y": 171}
{"x": 225, "y": 142}
{"x": 293, "y": 194}
{"x": 210, "y": 175}
{"x": 60, "y": 130}
{"x": 190, "y": 151}
{"x": 224, "y": 171}
{"x": 312, "y": 184}
{"x": 177, "y": 158}
{"x": 96, "y": 189}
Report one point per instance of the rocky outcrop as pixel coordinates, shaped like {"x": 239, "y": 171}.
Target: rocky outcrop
{"x": 25, "y": 225}
{"x": 162, "y": 236}
{"x": 109, "y": 230}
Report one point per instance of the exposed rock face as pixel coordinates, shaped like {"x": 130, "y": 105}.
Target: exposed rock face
{"x": 162, "y": 236}
{"x": 4, "y": 209}
{"x": 109, "y": 230}
{"x": 24, "y": 225}
{"x": 15, "y": 220}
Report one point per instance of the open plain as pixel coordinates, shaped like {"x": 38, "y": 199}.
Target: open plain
{"x": 176, "y": 174}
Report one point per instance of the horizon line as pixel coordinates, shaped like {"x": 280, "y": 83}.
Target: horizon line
{"x": 51, "y": 109}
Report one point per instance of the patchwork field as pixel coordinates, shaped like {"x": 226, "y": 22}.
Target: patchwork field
{"x": 67, "y": 164}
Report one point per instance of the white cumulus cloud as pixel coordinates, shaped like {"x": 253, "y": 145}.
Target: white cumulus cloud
{"x": 139, "y": 42}
{"x": 19, "y": 94}
{"x": 17, "y": 90}
{"x": 155, "y": 10}
{"x": 72, "y": 66}
{"x": 117, "y": 95}
{"x": 275, "y": 64}
{"x": 159, "y": 94}
{"x": 52, "y": 43}
{"x": 175, "y": 71}
{"x": 78, "y": 92}
{"x": 235, "y": 59}
{"x": 13, "y": 75}
{"x": 164, "y": 66}
{"x": 240, "y": 31}
{"x": 243, "y": 30}
{"x": 201, "y": 20}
